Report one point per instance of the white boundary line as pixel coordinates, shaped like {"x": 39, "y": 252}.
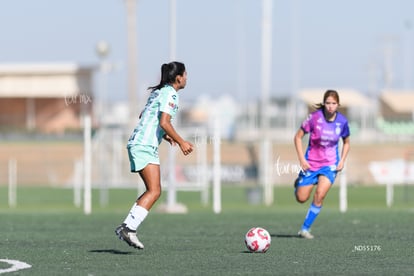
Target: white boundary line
{"x": 16, "y": 265}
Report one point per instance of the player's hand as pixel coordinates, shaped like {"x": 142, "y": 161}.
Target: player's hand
{"x": 169, "y": 140}
{"x": 186, "y": 147}
{"x": 340, "y": 166}
{"x": 304, "y": 165}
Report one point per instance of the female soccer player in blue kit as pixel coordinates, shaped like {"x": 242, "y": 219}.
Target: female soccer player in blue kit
{"x": 154, "y": 126}
{"x": 321, "y": 162}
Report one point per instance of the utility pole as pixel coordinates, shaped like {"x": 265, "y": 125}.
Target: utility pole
{"x": 266, "y": 145}
{"x": 131, "y": 9}
{"x": 408, "y": 55}
{"x": 388, "y": 73}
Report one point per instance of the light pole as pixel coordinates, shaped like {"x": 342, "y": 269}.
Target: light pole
{"x": 132, "y": 46}
{"x": 172, "y": 205}
{"x": 102, "y": 50}
{"x": 266, "y": 145}
{"x": 408, "y": 57}
{"x": 295, "y": 73}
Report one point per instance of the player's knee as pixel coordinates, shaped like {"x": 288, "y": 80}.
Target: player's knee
{"x": 154, "y": 193}
{"x": 318, "y": 198}
{"x": 157, "y": 194}
{"x": 301, "y": 198}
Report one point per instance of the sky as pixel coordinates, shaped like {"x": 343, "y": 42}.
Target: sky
{"x": 364, "y": 45}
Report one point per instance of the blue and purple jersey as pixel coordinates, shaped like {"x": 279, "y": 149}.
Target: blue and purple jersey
{"x": 324, "y": 137}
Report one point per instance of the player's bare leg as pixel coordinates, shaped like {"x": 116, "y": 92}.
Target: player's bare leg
{"x": 127, "y": 231}
{"x": 322, "y": 189}
{"x": 152, "y": 180}
{"x": 303, "y": 193}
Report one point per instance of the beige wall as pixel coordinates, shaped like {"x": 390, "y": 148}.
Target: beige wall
{"x": 45, "y": 98}
{"x": 391, "y": 115}
{"x": 48, "y": 115}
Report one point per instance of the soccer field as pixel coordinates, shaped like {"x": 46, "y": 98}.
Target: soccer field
{"x": 54, "y": 238}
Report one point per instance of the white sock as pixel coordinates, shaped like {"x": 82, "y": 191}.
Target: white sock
{"x": 136, "y": 216}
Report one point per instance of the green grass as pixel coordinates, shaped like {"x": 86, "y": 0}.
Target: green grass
{"x": 46, "y": 231}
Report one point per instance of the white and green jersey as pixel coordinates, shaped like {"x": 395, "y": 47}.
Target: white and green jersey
{"x": 148, "y": 131}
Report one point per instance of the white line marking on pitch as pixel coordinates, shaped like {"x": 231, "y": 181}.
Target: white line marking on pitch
{"x": 16, "y": 265}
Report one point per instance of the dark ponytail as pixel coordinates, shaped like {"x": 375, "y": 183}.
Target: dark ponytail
{"x": 169, "y": 71}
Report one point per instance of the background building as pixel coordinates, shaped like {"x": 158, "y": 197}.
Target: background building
{"x": 48, "y": 98}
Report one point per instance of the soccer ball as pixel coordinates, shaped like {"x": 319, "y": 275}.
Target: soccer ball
{"x": 257, "y": 240}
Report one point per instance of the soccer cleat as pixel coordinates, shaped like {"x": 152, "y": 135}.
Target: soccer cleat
{"x": 129, "y": 236}
{"x": 305, "y": 234}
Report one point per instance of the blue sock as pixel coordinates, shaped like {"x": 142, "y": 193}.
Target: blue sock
{"x": 311, "y": 216}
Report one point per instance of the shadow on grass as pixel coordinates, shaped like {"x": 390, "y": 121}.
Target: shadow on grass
{"x": 111, "y": 251}
{"x": 284, "y": 236}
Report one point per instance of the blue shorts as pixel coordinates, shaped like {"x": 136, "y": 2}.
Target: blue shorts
{"x": 311, "y": 177}
{"x": 140, "y": 156}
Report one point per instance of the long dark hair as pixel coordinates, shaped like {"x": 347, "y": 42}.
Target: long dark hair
{"x": 169, "y": 71}
{"x": 328, "y": 93}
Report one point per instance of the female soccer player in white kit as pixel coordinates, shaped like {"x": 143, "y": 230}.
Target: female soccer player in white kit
{"x": 153, "y": 126}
